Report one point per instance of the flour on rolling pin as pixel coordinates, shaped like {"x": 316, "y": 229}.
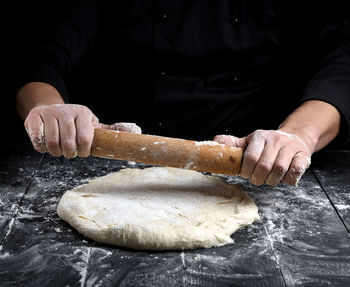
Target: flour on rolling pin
{"x": 210, "y": 143}
{"x": 206, "y": 156}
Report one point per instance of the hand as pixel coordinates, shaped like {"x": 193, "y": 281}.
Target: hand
{"x": 271, "y": 156}
{"x": 66, "y": 129}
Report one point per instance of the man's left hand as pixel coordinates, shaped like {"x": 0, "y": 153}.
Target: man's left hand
{"x": 271, "y": 156}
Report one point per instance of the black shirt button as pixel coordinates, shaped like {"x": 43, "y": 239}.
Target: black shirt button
{"x": 235, "y": 20}
{"x": 162, "y": 16}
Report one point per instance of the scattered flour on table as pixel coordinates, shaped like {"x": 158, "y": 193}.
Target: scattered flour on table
{"x": 342, "y": 206}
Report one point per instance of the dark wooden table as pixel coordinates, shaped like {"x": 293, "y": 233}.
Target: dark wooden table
{"x": 302, "y": 237}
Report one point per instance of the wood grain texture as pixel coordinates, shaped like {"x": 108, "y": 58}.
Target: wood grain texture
{"x": 165, "y": 151}
{"x": 332, "y": 170}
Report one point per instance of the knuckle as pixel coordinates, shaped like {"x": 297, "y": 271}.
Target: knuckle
{"x": 264, "y": 166}
{"x": 297, "y": 170}
{"x": 80, "y": 110}
{"x": 279, "y": 169}
{"x": 69, "y": 144}
{"x": 85, "y": 109}
{"x": 84, "y": 140}
{"x": 67, "y": 118}
{"x": 94, "y": 119}
{"x": 220, "y": 139}
{"x": 259, "y": 132}
{"x": 226, "y": 140}
{"x": 233, "y": 141}
{"x": 257, "y": 135}
{"x": 26, "y": 122}
{"x": 64, "y": 112}
{"x": 36, "y": 137}
{"x": 277, "y": 138}
{"x": 36, "y": 110}
{"x": 251, "y": 157}
{"x": 274, "y": 140}
{"x": 52, "y": 142}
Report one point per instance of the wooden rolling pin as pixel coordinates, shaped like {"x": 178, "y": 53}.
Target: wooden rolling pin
{"x": 206, "y": 156}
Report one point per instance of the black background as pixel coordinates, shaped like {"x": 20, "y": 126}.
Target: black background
{"x": 22, "y": 22}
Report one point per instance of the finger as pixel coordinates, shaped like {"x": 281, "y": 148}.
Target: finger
{"x": 85, "y": 135}
{"x": 123, "y": 127}
{"x": 265, "y": 163}
{"x": 128, "y": 127}
{"x": 52, "y": 140}
{"x": 68, "y": 137}
{"x": 299, "y": 165}
{"x": 231, "y": 141}
{"x": 95, "y": 121}
{"x": 280, "y": 166}
{"x": 34, "y": 126}
{"x": 252, "y": 155}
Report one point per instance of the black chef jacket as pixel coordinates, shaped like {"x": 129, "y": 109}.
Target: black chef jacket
{"x": 193, "y": 68}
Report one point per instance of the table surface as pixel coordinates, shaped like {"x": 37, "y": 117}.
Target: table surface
{"x": 302, "y": 238}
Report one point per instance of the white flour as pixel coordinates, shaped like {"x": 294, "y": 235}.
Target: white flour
{"x": 158, "y": 208}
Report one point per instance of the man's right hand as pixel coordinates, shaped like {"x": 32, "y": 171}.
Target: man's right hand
{"x": 66, "y": 129}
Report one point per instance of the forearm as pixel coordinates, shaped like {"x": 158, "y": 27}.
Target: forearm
{"x": 316, "y": 122}
{"x": 36, "y": 94}
{"x": 283, "y": 156}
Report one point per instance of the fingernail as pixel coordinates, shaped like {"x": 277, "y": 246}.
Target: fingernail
{"x": 308, "y": 162}
{"x": 296, "y": 176}
{"x": 272, "y": 179}
{"x": 253, "y": 179}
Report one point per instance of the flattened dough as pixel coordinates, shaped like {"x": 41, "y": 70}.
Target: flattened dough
{"x": 158, "y": 208}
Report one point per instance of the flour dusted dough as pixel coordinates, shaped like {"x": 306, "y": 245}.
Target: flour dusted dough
{"x": 158, "y": 208}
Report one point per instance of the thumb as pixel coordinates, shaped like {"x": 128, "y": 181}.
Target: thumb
{"x": 231, "y": 141}
{"x": 124, "y": 127}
